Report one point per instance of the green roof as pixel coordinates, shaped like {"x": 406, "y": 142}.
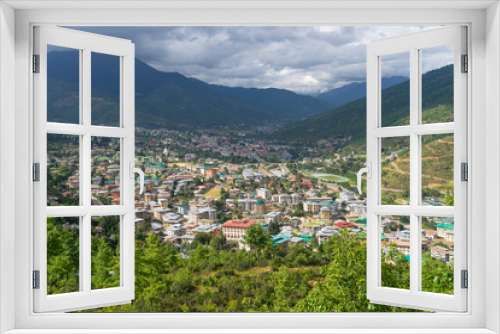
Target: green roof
{"x": 259, "y": 203}
{"x": 446, "y": 226}
{"x": 449, "y": 220}
{"x": 305, "y": 237}
{"x": 149, "y": 163}
{"x": 359, "y": 221}
{"x": 433, "y": 202}
{"x": 279, "y": 239}
{"x": 327, "y": 204}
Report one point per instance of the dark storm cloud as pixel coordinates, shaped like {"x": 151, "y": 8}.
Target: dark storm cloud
{"x": 302, "y": 59}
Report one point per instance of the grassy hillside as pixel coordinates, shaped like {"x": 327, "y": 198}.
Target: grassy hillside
{"x": 350, "y": 118}
{"x": 354, "y": 91}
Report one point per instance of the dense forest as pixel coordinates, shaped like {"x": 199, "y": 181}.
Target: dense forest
{"x": 213, "y": 277}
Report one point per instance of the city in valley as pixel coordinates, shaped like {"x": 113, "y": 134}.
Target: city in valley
{"x": 219, "y": 183}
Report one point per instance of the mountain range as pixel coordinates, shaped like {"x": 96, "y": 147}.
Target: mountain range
{"x": 172, "y": 100}
{"x": 353, "y": 91}
{"x": 168, "y": 99}
{"x": 350, "y": 118}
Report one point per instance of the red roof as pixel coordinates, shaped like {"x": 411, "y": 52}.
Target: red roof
{"x": 344, "y": 224}
{"x": 238, "y": 223}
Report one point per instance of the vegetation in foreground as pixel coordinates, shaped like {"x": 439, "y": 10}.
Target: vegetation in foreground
{"x": 212, "y": 277}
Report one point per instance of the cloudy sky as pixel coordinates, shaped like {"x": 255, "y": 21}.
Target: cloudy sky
{"x": 302, "y": 59}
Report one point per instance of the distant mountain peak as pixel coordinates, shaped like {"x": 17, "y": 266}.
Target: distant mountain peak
{"x": 355, "y": 90}
{"x": 170, "y": 99}
{"x": 350, "y": 118}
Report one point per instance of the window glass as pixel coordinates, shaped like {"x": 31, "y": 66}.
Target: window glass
{"x": 63, "y": 85}
{"x": 438, "y": 240}
{"x": 437, "y": 170}
{"x": 395, "y": 102}
{"x": 63, "y": 255}
{"x": 105, "y": 252}
{"x": 105, "y": 162}
{"x": 395, "y": 252}
{"x": 437, "y": 84}
{"x": 105, "y": 89}
{"x": 395, "y": 169}
{"x": 63, "y": 170}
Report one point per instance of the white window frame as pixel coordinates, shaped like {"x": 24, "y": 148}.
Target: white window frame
{"x": 483, "y": 100}
{"x": 413, "y": 44}
{"x": 85, "y": 43}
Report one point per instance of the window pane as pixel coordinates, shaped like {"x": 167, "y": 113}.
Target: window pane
{"x": 105, "y": 252}
{"x": 437, "y": 84}
{"x": 63, "y": 85}
{"x": 105, "y": 89}
{"x": 437, "y": 254}
{"x": 395, "y": 178}
{"x": 396, "y": 99}
{"x": 63, "y": 170}
{"x": 105, "y": 171}
{"x": 63, "y": 255}
{"x": 395, "y": 251}
{"x": 437, "y": 170}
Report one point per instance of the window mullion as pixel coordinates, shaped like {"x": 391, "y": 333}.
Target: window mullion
{"x": 415, "y": 167}
{"x": 85, "y": 167}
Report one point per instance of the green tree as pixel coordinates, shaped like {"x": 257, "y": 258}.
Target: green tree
{"x": 274, "y": 228}
{"x": 256, "y": 238}
{"x": 201, "y": 239}
{"x": 105, "y": 266}
{"x": 449, "y": 199}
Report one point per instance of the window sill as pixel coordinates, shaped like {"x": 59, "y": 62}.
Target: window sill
{"x": 248, "y": 331}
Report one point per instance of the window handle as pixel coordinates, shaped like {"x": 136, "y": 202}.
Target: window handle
{"x": 137, "y": 170}
{"x": 368, "y": 171}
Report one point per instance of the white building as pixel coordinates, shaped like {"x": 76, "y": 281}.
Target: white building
{"x": 172, "y": 218}
{"x": 273, "y": 216}
{"x": 194, "y": 216}
{"x": 264, "y": 193}
{"x": 347, "y": 196}
{"x": 285, "y": 199}
{"x": 296, "y": 198}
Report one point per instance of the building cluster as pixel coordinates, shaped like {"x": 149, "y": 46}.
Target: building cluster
{"x": 439, "y": 243}
{"x": 190, "y": 193}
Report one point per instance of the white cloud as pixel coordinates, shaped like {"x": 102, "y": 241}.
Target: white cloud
{"x": 302, "y": 59}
